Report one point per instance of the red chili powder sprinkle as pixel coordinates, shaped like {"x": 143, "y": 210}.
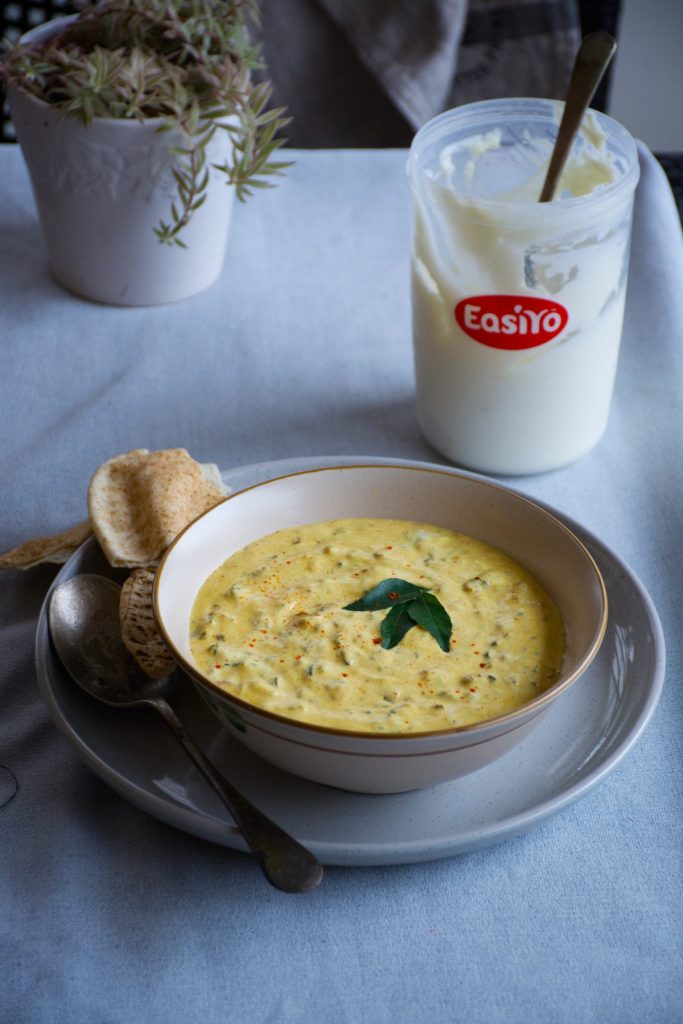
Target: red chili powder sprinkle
{"x": 389, "y": 547}
{"x": 345, "y": 675}
{"x": 473, "y": 689}
{"x": 377, "y": 640}
{"x": 482, "y": 664}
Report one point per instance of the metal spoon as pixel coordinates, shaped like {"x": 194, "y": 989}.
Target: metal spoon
{"x": 594, "y": 54}
{"x": 84, "y": 624}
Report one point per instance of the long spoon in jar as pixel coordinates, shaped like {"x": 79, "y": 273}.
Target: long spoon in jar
{"x": 592, "y": 58}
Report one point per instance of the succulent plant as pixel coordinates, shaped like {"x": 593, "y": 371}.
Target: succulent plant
{"x": 188, "y": 63}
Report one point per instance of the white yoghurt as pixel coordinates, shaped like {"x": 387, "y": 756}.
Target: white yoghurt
{"x": 517, "y": 306}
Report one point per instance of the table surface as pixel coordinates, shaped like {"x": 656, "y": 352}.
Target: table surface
{"x": 303, "y": 348}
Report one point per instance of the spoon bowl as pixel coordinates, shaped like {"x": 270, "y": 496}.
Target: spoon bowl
{"x": 83, "y": 616}
{"x": 84, "y": 625}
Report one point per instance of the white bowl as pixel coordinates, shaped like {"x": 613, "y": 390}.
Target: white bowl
{"x": 371, "y": 762}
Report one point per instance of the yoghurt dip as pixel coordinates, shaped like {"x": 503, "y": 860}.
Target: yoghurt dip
{"x": 271, "y": 626}
{"x": 517, "y": 305}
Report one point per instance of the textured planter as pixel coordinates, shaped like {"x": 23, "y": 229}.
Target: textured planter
{"x": 101, "y": 190}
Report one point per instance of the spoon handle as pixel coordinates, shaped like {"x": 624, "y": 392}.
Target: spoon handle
{"x": 286, "y": 864}
{"x": 594, "y": 54}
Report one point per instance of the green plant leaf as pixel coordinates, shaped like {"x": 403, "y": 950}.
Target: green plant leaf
{"x": 385, "y": 595}
{"x": 395, "y": 625}
{"x": 427, "y": 611}
{"x": 187, "y": 62}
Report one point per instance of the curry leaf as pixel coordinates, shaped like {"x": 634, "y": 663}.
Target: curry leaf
{"x": 385, "y": 595}
{"x": 428, "y": 612}
{"x": 410, "y": 605}
{"x": 395, "y": 625}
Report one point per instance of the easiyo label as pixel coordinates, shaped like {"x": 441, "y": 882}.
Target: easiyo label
{"x": 511, "y": 321}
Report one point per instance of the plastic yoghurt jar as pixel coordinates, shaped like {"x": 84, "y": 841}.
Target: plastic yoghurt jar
{"x": 517, "y": 305}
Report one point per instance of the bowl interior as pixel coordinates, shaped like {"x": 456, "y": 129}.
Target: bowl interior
{"x": 485, "y": 510}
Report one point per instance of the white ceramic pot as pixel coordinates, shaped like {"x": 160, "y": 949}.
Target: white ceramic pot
{"x": 101, "y": 190}
{"x": 384, "y": 762}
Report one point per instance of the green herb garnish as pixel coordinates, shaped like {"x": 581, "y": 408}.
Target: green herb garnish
{"x": 385, "y": 595}
{"x": 410, "y": 605}
{"x": 428, "y": 612}
{"x": 395, "y": 625}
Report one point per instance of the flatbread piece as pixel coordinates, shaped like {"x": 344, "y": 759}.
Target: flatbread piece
{"x": 139, "y": 502}
{"x": 139, "y": 630}
{"x": 56, "y": 549}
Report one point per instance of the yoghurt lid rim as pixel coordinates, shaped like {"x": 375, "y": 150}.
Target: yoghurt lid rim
{"x": 492, "y": 112}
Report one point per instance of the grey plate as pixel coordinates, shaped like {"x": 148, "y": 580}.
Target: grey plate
{"x": 582, "y": 739}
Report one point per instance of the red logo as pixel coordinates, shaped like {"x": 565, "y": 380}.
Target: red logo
{"x": 511, "y": 321}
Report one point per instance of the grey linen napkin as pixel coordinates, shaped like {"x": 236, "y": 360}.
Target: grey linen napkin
{"x": 411, "y": 48}
{"x": 370, "y": 72}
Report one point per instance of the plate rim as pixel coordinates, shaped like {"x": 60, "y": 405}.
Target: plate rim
{"x": 225, "y": 833}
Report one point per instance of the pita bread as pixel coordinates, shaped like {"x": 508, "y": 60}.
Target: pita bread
{"x": 139, "y": 630}
{"x": 56, "y": 549}
{"x": 139, "y": 502}
{"x": 212, "y": 475}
